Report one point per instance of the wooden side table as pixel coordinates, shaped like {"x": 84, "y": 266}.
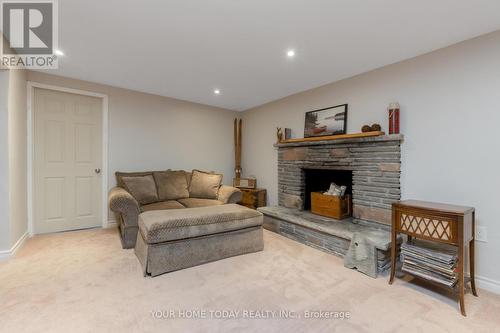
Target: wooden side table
{"x": 253, "y": 197}
{"x": 440, "y": 223}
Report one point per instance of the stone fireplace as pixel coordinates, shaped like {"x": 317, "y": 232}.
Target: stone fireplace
{"x": 373, "y": 163}
{"x": 370, "y": 167}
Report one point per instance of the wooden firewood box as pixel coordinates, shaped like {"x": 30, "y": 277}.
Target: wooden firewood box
{"x": 331, "y": 206}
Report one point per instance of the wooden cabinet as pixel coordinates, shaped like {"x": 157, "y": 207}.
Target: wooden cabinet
{"x": 253, "y": 198}
{"x": 442, "y": 223}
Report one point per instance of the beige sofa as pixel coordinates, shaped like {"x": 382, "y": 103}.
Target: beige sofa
{"x": 139, "y": 192}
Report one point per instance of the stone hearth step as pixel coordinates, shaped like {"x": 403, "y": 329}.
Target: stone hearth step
{"x": 364, "y": 245}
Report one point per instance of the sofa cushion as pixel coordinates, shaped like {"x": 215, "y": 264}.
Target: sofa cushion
{"x": 119, "y": 176}
{"x": 159, "y": 226}
{"x": 172, "y": 185}
{"x": 169, "y": 204}
{"x": 142, "y": 188}
{"x": 204, "y": 185}
{"x": 196, "y": 202}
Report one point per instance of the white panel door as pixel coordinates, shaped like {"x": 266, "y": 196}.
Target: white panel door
{"x": 67, "y": 161}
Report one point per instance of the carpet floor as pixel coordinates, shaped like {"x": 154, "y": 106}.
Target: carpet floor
{"x": 83, "y": 281}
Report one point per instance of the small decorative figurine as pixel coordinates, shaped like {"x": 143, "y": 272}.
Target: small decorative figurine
{"x": 279, "y": 134}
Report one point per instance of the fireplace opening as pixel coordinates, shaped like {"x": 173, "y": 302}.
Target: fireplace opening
{"x": 319, "y": 180}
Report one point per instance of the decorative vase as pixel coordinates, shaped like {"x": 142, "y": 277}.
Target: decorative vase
{"x": 393, "y": 118}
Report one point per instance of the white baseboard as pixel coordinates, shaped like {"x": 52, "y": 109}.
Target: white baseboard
{"x": 10, "y": 253}
{"x": 4, "y": 255}
{"x": 488, "y": 284}
{"x": 111, "y": 224}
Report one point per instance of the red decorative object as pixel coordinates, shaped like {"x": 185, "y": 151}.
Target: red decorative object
{"x": 393, "y": 118}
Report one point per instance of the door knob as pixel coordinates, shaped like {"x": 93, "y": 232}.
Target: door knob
{"x": 97, "y": 170}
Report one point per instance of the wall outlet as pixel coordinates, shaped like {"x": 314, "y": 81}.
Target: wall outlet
{"x": 481, "y": 234}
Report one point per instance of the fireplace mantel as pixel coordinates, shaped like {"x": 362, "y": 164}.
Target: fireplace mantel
{"x": 341, "y": 140}
{"x": 375, "y": 162}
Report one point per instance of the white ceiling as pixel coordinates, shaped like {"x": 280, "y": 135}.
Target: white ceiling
{"x": 186, "y": 48}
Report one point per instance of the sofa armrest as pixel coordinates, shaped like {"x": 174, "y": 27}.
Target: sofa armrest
{"x": 229, "y": 194}
{"x": 122, "y": 202}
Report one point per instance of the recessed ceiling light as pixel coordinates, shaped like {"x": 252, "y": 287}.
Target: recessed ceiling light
{"x": 290, "y": 53}
{"x": 217, "y": 91}
{"x": 59, "y": 53}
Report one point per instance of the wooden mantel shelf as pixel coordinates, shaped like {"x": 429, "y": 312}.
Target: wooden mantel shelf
{"x": 375, "y": 136}
{"x": 335, "y": 137}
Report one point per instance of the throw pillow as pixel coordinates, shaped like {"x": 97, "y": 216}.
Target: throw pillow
{"x": 120, "y": 175}
{"x": 142, "y": 188}
{"x": 172, "y": 185}
{"x": 204, "y": 185}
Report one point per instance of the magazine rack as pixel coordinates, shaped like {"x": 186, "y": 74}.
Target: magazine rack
{"x": 440, "y": 223}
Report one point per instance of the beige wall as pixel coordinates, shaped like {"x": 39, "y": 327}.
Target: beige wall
{"x": 4, "y": 163}
{"x": 450, "y": 103}
{"x": 153, "y": 132}
{"x": 17, "y": 155}
{"x": 13, "y": 153}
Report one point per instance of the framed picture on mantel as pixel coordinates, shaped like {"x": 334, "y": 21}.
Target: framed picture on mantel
{"x": 327, "y": 121}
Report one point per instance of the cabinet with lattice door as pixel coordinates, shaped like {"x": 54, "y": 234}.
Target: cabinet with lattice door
{"x": 441, "y": 223}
